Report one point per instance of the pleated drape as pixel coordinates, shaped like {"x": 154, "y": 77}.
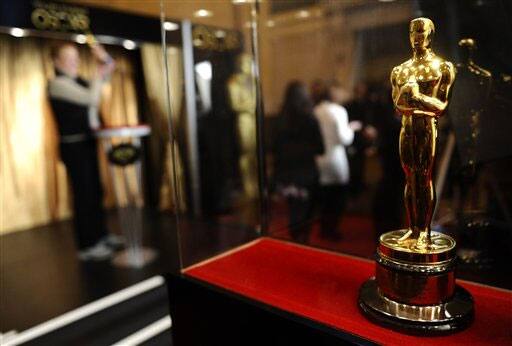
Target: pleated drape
{"x": 162, "y": 163}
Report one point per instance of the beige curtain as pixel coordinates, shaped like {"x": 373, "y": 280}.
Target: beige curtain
{"x": 162, "y": 162}
{"x": 118, "y": 108}
{"x": 33, "y": 184}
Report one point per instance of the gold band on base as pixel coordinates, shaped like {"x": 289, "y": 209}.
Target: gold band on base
{"x": 411, "y": 276}
{"x": 413, "y": 287}
{"x": 393, "y": 245}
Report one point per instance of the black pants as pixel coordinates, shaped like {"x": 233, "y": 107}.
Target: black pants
{"x": 301, "y": 211}
{"x": 81, "y": 161}
{"x": 357, "y": 165}
{"x": 332, "y": 202}
{"x": 388, "y": 205}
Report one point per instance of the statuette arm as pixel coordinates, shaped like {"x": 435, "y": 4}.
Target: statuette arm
{"x": 401, "y": 95}
{"x": 437, "y": 104}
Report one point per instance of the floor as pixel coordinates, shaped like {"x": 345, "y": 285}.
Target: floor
{"x": 41, "y": 277}
{"x": 111, "y": 325}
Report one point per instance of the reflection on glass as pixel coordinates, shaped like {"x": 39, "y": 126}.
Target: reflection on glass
{"x": 204, "y": 80}
{"x": 216, "y": 130}
{"x": 242, "y": 98}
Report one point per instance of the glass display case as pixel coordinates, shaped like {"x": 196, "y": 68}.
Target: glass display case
{"x": 307, "y": 172}
{"x": 287, "y": 167}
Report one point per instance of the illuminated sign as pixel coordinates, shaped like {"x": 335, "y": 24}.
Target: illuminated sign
{"x": 213, "y": 39}
{"x": 59, "y": 17}
{"x": 123, "y": 154}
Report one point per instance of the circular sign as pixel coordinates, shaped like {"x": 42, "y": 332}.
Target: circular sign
{"x": 123, "y": 154}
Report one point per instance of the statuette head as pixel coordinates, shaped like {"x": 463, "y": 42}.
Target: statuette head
{"x": 244, "y": 63}
{"x": 467, "y": 42}
{"x": 420, "y": 33}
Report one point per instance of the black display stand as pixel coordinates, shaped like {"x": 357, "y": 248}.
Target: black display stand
{"x": 205, "y": 315}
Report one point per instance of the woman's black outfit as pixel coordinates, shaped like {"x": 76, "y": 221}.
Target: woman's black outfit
{"x": 298, "y": 141}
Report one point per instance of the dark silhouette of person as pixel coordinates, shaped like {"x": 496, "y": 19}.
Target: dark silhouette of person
{"x": 358, "y": 110}
{"x": 388, "y": 203}
{"x": 298, "y": 140}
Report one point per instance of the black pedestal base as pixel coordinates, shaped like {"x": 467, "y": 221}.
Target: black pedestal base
{"x": 206, "y": 315}
{"x": 453, "y": 315}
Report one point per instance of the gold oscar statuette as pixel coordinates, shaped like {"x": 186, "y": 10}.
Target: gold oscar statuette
{"x": 241, "y": 89}
{"x": 414, "y": 288}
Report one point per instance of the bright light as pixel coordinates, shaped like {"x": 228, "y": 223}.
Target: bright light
{"x": 238, "y": 2}
{"x": 203, "y": 13}
{"x": 271, "y": 23}
{"x": 129, "y": 44}
{"x": 220, "y": 33}
{"x": 204, "y": 69}
{"x": 170, "y": 26}
{"x": 303, "y": 14}
{"x": 17, "y": 32}
{"x": 80, "y": 38}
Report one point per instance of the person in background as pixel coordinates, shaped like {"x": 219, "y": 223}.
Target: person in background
{"x": 333, "y": 165}
{"x": 317, "y": 89}
{"x": 359, "y": 110}
{"x": 388, "y": 201}
{"x": 298, "y": 141}
{"x": 75, "y": 104}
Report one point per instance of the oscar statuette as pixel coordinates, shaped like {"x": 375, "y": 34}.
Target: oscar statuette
{"x": 241, "y": 90}
{"x": 414, "y": 288}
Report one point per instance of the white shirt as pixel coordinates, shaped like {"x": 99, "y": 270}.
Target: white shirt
{"x": 333, "y": 164}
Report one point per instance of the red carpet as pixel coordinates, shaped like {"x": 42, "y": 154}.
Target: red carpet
{"x": 323, "y": 286}
{"x": 357, "y": 235}
{"x": 356, "y": 230}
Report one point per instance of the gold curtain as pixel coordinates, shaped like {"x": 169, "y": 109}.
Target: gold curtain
{"x": 118, "y": 108}
{"x": 33, "y": 184}
{"x": 161, "y": 159}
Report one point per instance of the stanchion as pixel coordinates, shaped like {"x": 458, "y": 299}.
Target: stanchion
{"x": 123, "y": 148}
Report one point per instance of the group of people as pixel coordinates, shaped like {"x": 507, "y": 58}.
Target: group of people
{"x": 319, "y": 154}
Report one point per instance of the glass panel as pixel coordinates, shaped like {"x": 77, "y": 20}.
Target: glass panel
{"x": 214, "y": 128}
{"x": 325, "y": 70}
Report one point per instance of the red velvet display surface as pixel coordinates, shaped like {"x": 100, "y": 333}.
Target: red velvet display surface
{"x": 323, "y": 286}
